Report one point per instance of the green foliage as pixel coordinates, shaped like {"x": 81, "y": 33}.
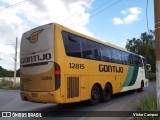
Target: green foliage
{"x": 8, "y": 73}
{"x": 18, "y": 73}
{"x": 148, "y": 102}
{"x": 145, "y": 46}
{"x": 152, "y": 76}
{"x": 6, "y": 84}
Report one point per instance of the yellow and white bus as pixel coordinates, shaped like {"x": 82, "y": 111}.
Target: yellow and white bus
{"x": 59, "y": 65}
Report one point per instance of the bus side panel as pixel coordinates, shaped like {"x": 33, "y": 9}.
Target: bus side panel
{"x": 87, "y": 75}
{"x": 84, "y": 88}
{"x": 133, "y": 79}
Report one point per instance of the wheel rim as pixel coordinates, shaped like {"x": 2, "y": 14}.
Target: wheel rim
{"x": 107, "y": 92}
{"x": 95, "y": 94}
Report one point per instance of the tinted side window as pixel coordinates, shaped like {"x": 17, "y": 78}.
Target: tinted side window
{"x": 90, "y": 49}
{"x": 125, "y": 58}
{"x": 138, "y": 61}
{"x": 105, "y": 52}
{"x": 130, "y": 59}
{"x": 119, "y": 57}
{"x": 72, "y": 44}
{"x": 114, "y": 54}
{"x": 145, "y": 67}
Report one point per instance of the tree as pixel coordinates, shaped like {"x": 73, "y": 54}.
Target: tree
{"x": 6, "y": 73}
{"x": 145, "y": 46}
{"x": 18, "y": 73}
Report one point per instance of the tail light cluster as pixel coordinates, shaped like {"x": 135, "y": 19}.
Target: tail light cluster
{"x": 57, "y": 76}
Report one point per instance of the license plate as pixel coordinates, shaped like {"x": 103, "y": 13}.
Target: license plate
{"x": 34, "y": 94}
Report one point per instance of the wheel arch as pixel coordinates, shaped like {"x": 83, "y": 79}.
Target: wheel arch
{"x": 99, "y": 86}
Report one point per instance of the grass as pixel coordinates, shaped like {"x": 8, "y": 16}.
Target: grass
{"x": 6, "y": 84}
{"x": 146, "y": 118}
{"x": 148, "y": 103}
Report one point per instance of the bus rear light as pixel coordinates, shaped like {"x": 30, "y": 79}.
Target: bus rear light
{"x": 57, "y": 72}
{"x": 57, "y": 76}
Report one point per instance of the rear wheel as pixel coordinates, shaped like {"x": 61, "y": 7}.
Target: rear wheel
{"x": 107, "y": 93}
{"x": 95, "y": 95}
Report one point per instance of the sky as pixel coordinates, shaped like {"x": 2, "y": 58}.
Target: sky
{"x": 112, "y": 21}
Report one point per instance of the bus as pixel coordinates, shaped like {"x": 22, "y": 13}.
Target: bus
{"x": 59, "y": 65}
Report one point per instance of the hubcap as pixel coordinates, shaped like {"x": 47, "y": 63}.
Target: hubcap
{"x": 94, "y": 95}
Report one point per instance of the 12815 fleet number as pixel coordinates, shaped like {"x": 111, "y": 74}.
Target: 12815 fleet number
{"x": 76, "y": 66}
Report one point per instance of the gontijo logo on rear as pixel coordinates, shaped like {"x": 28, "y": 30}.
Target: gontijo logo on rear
{"x": 34, "y": 36}
{"x": 35, "y": 58}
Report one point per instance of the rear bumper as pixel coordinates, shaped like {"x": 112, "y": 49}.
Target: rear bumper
{"x": 42, "y": 97}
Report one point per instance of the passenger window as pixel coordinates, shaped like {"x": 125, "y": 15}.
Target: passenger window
{"x": 137, "y": 61}
{"x": 119, "y": 57}
{"x": 114, "y": 54}
{"x": 140, "y": 62}
{"x": 130, "y": 59}
{"x": 90, "y": 50}
{"x": 72, "y": 44}
{"x": 125, "y": 58}
{"x": 105, "y": 53}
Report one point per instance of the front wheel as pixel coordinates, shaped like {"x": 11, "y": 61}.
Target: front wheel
{"x": 107, "y": 93}
{"x": 95, "y": 95}
{"x": 141, "y": 88}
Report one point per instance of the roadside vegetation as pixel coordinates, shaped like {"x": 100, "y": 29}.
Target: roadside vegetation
{"x": 148, "y": 103}
{"x": 145, "y": 46}
{"x": 6, "y": 84}
{"x": 8, "y": 73}
{"x": 152, "y": 76}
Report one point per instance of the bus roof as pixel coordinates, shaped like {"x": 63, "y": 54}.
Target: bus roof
{"x": 93, "y": 39}
{"x": 90, "y": 38}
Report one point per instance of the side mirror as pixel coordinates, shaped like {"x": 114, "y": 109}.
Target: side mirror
{"x": 148, "y": 67}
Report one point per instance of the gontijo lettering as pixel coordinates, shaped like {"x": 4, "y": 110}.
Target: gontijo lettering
{"x": 36, "y": 58}
{"x": 109, "y": 68}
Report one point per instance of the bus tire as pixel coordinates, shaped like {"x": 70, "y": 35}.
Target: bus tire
{"x": 141, "y": 88}
{"x": 107, "y": 93}
{"x": 95, "y": 95}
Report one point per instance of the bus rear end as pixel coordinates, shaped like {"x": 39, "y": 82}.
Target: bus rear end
{"x": 40, "y": 74}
